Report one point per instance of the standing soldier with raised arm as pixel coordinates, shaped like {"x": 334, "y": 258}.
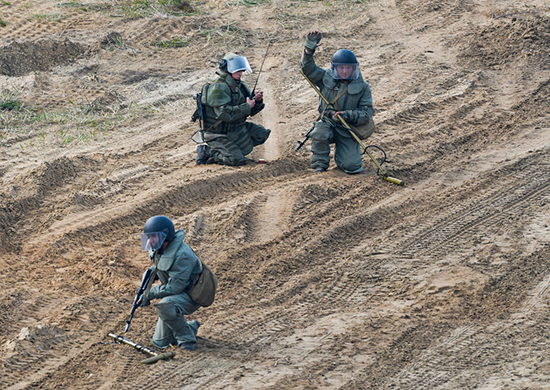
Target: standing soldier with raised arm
{"x": 351, "y": 97}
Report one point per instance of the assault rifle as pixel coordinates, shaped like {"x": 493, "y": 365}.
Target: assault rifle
{"x": 383, "y": 174}
{"x": 199, "y": 112}
{"x": 144, "y": 283}
{"x": 302, "y": 143}
{"x": 198, "y": 136}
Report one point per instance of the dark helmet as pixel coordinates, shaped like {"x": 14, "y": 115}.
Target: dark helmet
{"x": 344, "y": 57}
{"x": 160, "y": 223}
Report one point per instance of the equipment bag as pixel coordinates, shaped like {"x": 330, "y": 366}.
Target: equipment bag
{"x": 203, "y": 289}
{"x": 364, "y": 131}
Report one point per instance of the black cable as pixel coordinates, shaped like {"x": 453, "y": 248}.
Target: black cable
{"x": 379, "y": 148}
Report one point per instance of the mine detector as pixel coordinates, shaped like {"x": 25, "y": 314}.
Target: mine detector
{"x": 146, "y": 281}
{"x": 155, "y": 356}
{"x": 381, "y": 171}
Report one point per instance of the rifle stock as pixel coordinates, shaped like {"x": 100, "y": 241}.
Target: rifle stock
{"x": 384, "y": 174}
{"x": 306, "y": 137}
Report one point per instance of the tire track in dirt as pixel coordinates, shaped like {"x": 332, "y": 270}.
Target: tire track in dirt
{"x": 440, "y": 364}
{"x": 272, "y": 209}
{"x": 347, "y": 289}
{"x": 266, "y": 64}
{"x": 452, "y": 101}
{"x": 187, "y": 196}
{"x": 34, "y": 339}
{"x": 505, "y": 324}
{"x": 430, "y": 367}
{"x": 520, "y": 184}
{"x": 22, "y": 27}
{"x": 185, "y": 370}
{"x": 271, "y": 215}
{"x": 271, "y": 114}
{"x": 494, "y": 202}
{"x": 428, "y": 14}
{"x": 31, "y": 365}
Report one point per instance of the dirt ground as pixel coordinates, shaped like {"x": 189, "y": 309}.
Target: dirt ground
{"x": 327, "y": 281}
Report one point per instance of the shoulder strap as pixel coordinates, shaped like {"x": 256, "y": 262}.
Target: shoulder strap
{"x": 213, "y": 126}
{"x": 150, "y": 283}
{"x": 336, "y": 97}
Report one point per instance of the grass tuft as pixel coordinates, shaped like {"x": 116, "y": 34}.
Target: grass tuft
{"x": 172, "y": 43}
{"x": 9, "y": 100}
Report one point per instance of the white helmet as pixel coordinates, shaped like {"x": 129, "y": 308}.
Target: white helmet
{"x": 235, "y": 63}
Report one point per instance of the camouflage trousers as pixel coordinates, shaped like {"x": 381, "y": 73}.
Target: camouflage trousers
{"x": 231, "y": 150}
{"x": 347, "y": 152}
{"x": 172, "y": 328}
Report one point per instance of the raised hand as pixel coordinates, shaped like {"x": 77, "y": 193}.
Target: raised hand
{"x": 312, "y": 40}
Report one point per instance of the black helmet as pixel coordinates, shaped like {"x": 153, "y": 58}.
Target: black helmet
{"x": 160, "y": 223}
{"x": 158, "y": 230}
{"x": 344, "y": 57}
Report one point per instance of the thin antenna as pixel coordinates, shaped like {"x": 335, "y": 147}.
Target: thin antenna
{"x": 261, "y": 67}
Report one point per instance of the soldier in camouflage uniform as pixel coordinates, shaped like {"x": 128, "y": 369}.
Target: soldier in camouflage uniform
{"x": 228, "y": 103}
{"x": 175, "y": 265}
{"x": 351, "y": 96}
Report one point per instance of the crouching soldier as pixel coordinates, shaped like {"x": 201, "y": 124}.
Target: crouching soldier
{"x": 176, "y": 266}
{"x": 228, "y": 103}
{"x": 350, "y": 95}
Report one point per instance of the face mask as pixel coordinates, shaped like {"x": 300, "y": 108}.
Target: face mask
{"x": 152, "y": 241}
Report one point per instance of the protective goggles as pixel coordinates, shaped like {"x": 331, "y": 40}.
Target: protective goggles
{"x": 152, "y": 241}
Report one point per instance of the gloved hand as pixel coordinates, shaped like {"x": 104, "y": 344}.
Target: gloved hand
{"x": 312, "y": 40}
{"x": 351, "y": 116}
{"x": 329, "y": 113}
{"x": 142, "y": 302}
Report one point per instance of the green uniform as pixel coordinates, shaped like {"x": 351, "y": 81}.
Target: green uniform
{"x": 225, "y": 102}
{"x": 176, "y": 268}
{"x": 356, "y": 103}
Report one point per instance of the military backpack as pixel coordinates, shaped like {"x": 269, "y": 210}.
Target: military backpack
{"x": 203, "y": 288}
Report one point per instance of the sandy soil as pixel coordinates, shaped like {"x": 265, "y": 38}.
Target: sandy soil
{"x": 327, "y": 281}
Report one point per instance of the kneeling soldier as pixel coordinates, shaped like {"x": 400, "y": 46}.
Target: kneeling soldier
{"x": 228, "y": 103}
{"x": 176, "y": 265}
{"x": 351, "y": 97}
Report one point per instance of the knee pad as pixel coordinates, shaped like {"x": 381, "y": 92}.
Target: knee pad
{"x": 321, "y": 132}
{"x": 167, "y": 311}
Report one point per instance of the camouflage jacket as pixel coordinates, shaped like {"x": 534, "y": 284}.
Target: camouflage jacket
{"x": 356, "y": 103}
{"x": 176, "y": 267}
{"x": 225, "y": 101}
